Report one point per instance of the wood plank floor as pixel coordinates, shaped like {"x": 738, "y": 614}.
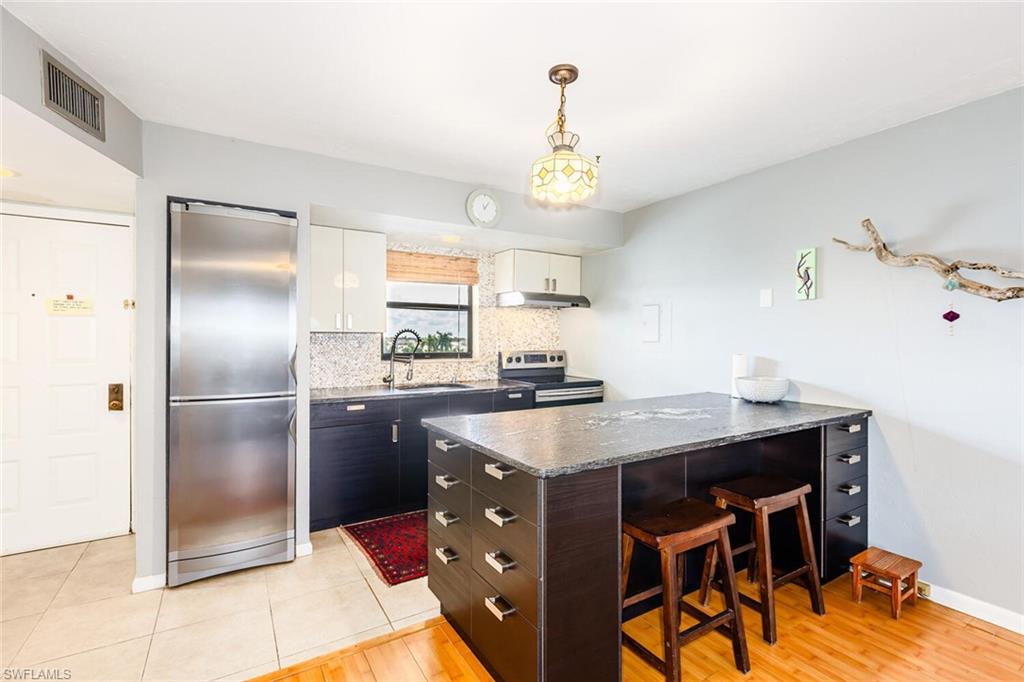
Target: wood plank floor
{"x": 851, "y": 642}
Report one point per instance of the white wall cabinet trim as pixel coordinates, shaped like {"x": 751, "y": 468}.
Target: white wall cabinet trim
{"x": 348, "y": 280}
{"x": 537, "y": 271}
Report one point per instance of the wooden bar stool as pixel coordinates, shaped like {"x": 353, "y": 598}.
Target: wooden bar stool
{"x": 763, "y": 496}
{"x": 671, "y": 530}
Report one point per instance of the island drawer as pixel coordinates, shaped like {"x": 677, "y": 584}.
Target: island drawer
{"x": 847, "y": 466}
{"x": 457, "y": 533}
{"x": 843, "y": 496}
{"x": 502, "y": 570}
{"x": 505, "y": 528}
{"x": 845, "y": 535}
{"x": 518, "y": 399}
{"x": 512, "y": 488}
{"x": 352, "y": 412}
{"x": 508, "y": 642}
{"x": 451, "y": 456}
{"x": 450, "y": 491}
{"x": 450, "y": 584}
{"x": 845, "y": 436}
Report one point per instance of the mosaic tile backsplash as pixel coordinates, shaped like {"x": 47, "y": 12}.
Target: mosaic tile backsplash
{"x": 354, "y": 359}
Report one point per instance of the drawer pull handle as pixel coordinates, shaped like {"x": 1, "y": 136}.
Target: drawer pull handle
{"x": 499, "y": 607}
{"x": 849, "y": 459}
{"x": 850, "y": 489}
{"x": 445, "y": 518}
{"x": 499, "y": 562}
{"x": 851, "y": 520}
{"x": 355, "y": 408}
{"x": 513, "y": 396}
{"x": 445, "y": 481}
{"x": 445, "y": 445}
{"x": 850, "y": 428}
{"x": 498, "y": 471}
{"x": 500, "y": 516}
{"x": 446, "y": 555}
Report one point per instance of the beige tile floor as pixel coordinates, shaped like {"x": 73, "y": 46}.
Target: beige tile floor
{"x": 71, "y": 609}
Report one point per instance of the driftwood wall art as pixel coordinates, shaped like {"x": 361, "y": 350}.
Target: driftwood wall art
{"x": 950, "y": 271}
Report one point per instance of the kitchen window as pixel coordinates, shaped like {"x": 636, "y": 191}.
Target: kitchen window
{"x": 442, "y": 314}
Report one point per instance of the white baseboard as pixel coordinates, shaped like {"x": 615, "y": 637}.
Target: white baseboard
{"x": 305, "y": 549}
{"x": 997, "y": 615}
{"x": 149, "y": 582}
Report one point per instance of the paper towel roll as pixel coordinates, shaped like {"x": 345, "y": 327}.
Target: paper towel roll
{"x": 740, "y": 368}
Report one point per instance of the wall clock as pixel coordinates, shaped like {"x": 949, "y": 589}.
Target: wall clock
{"x": 483, "y": 208}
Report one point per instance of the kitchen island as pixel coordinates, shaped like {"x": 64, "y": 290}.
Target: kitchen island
{"x": 525, "y": 512}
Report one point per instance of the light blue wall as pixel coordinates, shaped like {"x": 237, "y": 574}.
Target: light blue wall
{"x": 947, "y": 446}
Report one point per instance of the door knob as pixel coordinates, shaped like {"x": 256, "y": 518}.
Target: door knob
{"x": 115, "y": 397}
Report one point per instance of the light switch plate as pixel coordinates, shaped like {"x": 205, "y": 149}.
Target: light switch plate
{"x": 650, "y": 324}
{"x": 766, "y": 298}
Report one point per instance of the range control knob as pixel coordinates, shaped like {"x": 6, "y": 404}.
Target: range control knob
{"x": 561, "y": 358}
{"x": 551, "y": 358}
{"x": 519, "y": 358}
{"x": 508, "y": 360}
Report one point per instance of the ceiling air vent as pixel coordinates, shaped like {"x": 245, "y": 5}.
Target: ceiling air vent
{"x": 72, "y": 98}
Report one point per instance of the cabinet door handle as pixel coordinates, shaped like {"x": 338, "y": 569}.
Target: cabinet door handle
{"x": 446, "y": 445}
{"x": 850, "y": 520}
{"x": 850, "y": 489}
{"x": 337, "y": 320}
{"x": 355, "y": 408}
{"x": 850, "y": 428}
{"x": 348, "y": 321}
{"x": 849, "y": 459}
{"x": 500, "y": 516}
{"x": 499, "y": 562}
{"x": 445, "y": 481}
{"x": 499, "y": 607}
{"x": 554, "y": 284}
{"x": 547, "y": 282}
{"x": 514, "y": 396}
{"x": 498, "y": 471}
{"x": 446, "y": 518}
{"x": 394, "y": 432}
{"x": 446, "y": 555}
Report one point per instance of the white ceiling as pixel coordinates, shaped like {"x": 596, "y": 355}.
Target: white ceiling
{"x": 54, "y": 168}
{"x": 673, "y": 97}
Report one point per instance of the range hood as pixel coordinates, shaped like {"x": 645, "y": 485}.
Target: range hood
{"x": 533, "y": 299}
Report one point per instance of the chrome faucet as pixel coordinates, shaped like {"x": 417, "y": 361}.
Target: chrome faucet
{"x": 390, "y": 378}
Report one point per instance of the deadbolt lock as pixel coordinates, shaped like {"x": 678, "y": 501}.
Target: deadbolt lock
{"x": 115, "y": 397}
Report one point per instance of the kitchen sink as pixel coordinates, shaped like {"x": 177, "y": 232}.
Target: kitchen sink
{"x": 427, "y": 387}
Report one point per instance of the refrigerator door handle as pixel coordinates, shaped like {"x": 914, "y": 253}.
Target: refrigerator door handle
{"x": 291, "y": 364}
{"x": 291, "y": 425}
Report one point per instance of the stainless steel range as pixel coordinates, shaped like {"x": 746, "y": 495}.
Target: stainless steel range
{"x": 545, "y": 371}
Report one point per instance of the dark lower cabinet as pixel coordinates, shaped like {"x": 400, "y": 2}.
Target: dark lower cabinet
{"x": 369, "y": 458}
{"x": 354, "y": 474}
{"x": 413, "y": 443}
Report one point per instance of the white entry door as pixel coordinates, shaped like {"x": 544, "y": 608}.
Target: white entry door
{"x": 65, "y": 460}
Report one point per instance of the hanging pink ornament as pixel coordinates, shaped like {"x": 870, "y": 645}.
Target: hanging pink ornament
{"x": 951, "y": 316}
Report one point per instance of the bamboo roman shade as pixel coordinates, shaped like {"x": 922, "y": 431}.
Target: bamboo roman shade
{"x": 428, "y": 267}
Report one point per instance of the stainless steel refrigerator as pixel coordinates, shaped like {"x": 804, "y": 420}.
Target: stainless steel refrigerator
{"x": 231, "y": 389}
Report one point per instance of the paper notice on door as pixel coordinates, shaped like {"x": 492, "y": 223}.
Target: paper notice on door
{"x": 69, "y": 306}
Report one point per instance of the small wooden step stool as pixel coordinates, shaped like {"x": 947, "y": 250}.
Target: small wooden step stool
{"x": 874, "y": 564}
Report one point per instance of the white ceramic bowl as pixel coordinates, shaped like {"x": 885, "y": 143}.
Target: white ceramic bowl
{"x": 762, "y": 389}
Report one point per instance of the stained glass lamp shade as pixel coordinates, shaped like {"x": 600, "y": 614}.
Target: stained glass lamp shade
{"x": 563, "y": 175}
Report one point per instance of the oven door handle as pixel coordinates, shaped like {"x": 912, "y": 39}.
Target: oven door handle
{"x": 545, "y": 395}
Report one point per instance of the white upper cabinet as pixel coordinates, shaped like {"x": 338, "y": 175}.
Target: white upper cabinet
{"x": 326, "y": 274}
{"x": 348, "y": 275}
{"x": 565, "y": 274}
{"x": 366, "y": 273}
{"x": 536, "y": 271}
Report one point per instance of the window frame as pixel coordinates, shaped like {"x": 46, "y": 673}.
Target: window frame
{"x": 454, "y": 307}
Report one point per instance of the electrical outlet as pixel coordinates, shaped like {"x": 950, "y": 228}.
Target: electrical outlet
{"x": 924, "y": 589}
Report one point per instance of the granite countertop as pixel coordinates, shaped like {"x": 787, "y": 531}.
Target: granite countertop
{"x": 383, "y": 392}
{"x": 556, "y": 441}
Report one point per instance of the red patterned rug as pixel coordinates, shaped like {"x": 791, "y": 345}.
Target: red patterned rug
{"x": 395, "y": 545}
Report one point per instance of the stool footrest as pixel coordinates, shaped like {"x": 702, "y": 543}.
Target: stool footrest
{"x": 781, "y": 580}
{"x": 641, "y": 596}
{"x": 691, "y": 610}
{"x": 736, "y": 551}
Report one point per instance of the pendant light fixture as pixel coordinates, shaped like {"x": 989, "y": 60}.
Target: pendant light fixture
{"x": 563, "y": 176}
